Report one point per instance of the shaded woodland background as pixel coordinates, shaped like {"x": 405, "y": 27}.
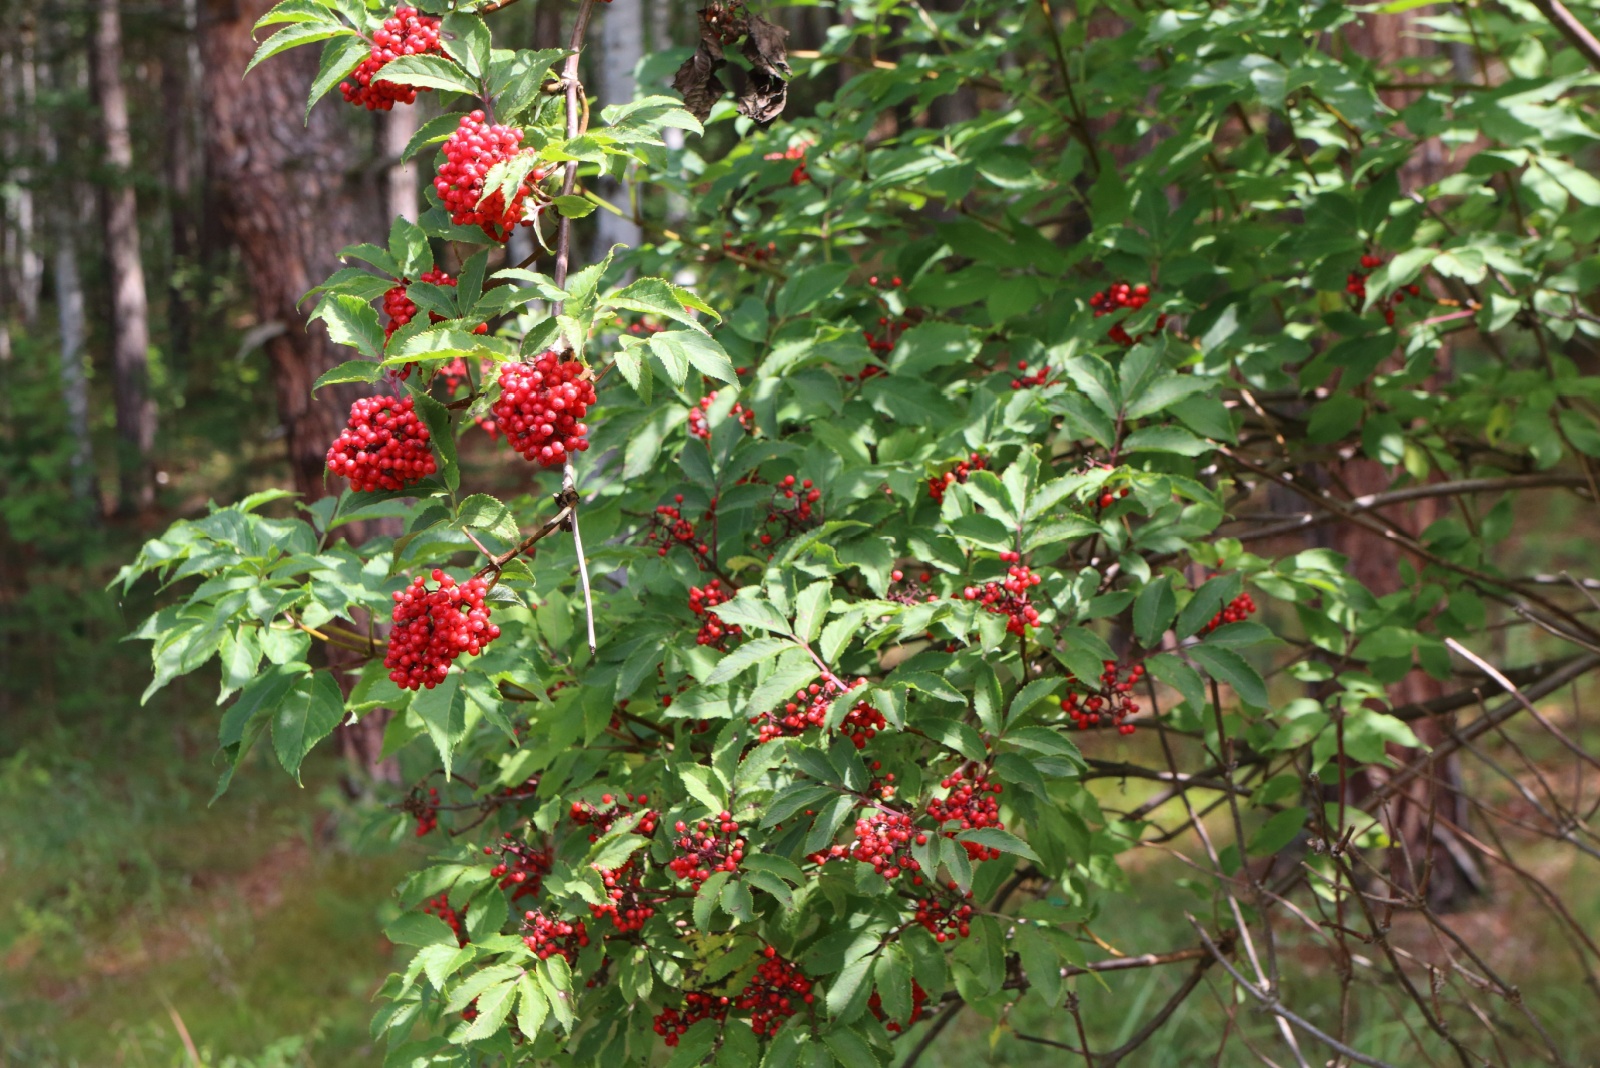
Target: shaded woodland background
{"x": 161, "y": 219}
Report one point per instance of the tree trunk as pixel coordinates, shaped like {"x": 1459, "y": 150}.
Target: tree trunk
{"x": 401, "y": 191}
{"x": 130, "y": 326}
{"x": 288, "y": 196}
{"x": 621, "y": 48}
{"x": 291, "y": 194}
{"x": 64, "y": 223}
{"x": 17, "y": 83}
{"x": 179, "y": 69}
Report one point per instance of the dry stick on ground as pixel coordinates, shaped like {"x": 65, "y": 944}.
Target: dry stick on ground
{"x": 569, "y": 476}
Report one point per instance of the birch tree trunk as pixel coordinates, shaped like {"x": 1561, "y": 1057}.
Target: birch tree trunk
{"x": 621, "y": 47}
{"x": 130, "y": 319}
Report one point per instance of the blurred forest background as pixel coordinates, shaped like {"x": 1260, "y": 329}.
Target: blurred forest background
{"x": 161, "y": 217}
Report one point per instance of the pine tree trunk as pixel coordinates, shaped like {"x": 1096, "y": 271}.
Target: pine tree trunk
{"x": 289, "y": 196}
{"x": 130, "y": 325}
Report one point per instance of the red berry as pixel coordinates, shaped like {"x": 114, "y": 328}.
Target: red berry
{"x": 405, "y": 33}
{"x": 541, "y": 405}
{"x": 383, "y": 446}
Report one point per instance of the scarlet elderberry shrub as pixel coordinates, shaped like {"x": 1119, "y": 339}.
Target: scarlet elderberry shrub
{"x": 469, "y": 155}
{"x": 1355, "y": 287}
{"x": 456, "y": 920}
{"x": 972, "y": 802}
{"x": 945, "y": 914}
{"x": 541, "y": 408}
{"x": 671, "y": 1023}
{"x": 547, "y": 936}
{"x": 384, "y": 446}
{"x": 777, "y": 992}
{"x": 699, "y": 428}
{"x": 938, "y": 484}
{"x": 627, "y": 905}
{"x": 434, "y": 626}
{"x": 404, "y": 33}
{"x": 919, "y": 998}
{"x": 669, "y": 527}
{"x": 795, "y": 508}
{"x": 599, "y": 820}
{"x": 1108, "y": 704}
{"x": 425, "y": 808}
{"x": 713, "y": 631}
{"x": 883, "y": 839}
{"x": 706, "y": 847}
{"x": 522, "y": 867}
{"x": 808, "y": 709}
{"x": 1009, "y": 597}
{"x": 1117, "y": 297}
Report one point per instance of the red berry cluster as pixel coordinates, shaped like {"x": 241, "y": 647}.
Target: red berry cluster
{"x": 799, "y": 176}
{"x": 1109, "y": 497}
{"x": 425, "y": 807}
{"x": 698, "y": 427}
{"x": 522, "y": 868}
{"x": 785, "y": 519}
{"x": 1237, "y": 610}
{"x": 1121, "y": 295}
{"x": 943, "y": 918}
{"x": 671, "y": 1023}
{"x": 546, "y": 937}
{"x": 713, "y": 631}
{"x": 1040, "y": 377}
{"x": 440, "y": 907}
{"x": 599, "y": 820}
{"x": 401, "y": 309}
{"x": 749, "y": 250}
{"x": 1009, "y": 598}
{"x": 1110, "y": 703}
{"x": 919, "y": 998}
{"x": 706, "y": 846}
{"x": 470, "y": 153}
{"x": 405, "y": 33}
{"x": 668, "y": 527}
{"x": 972, "y": 802}
{"x": 809, "y": 708}
{"x": 938, "y": 484}
{"x": 625, "y": 905}
{"x": 383, "y": 446}
{"x": 541, "y": 405}
{"x": 775, "y": 994}
{"x": 884, "y": 839}
{"x": 433, "y": 627}
{"x": 1355, "y": 284}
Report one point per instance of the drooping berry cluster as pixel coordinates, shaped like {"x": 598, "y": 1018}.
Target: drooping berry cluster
{"x": 1237, "y": 610}
{"x": 775, "y": 994}
{"x": 938, "y": 484}
{"x": 433, "y": 627}
{"x": 1010, "y": 597}
{"x": 890, "y": 327}
{"x": 809, "y": 708}
{"x": 699, "y": 428}
{"x": 384, "y": 446}
{"x": 671, "y": 1023}
{"x": 522, "y": 868}
{"x": 945, "y": 917}
{"x": 440, "y": 907}
{"x": 625, "y": 905}
{"x": 541, "y": 406}
{"x": 405, "y": 33}
{"x": 401, "y": 309}
{"x": 973, "y": 801}
{"x": 599, "y": 820}
{"x": 668, "y": 527}
{"x": 470, "y": 153}
{"x": 919, "y": 998}
{"x": 884, "y": 839}
{"x": 1040, "y": 377}
{"x": 1118, "y": 296}
{"x": 1108, "y": 704}
{"x": 425, "y": 808}
{"x": 705, "y": 847}
{"x": 799, "y": 176}
{"x": 713, "y": 631}
{"x": 546, "y": 936}
{"x": 1355, "y": 284}
{"x": 794, "y": 508}
{"x": 911, "y": 591}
